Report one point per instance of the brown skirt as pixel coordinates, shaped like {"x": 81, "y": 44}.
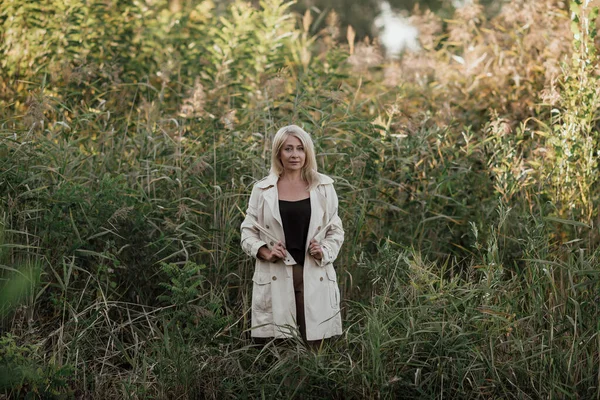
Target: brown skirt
{"x": 298, "y": 275}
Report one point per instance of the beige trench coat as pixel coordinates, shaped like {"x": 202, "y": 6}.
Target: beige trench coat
{"x": 273, "y": 300}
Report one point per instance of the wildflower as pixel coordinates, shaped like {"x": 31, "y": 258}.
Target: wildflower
{"x": 182, "y": 211}
{"x": 418, "y": 67}
{"x": 392, "y": 75}
{"x": 549, "y": 95}
{"x": 228, "y": 119}
{"x": 364, "y": 57}
{"x": 551, "y": 70}
{"x": 500, "y": 126}
{"x": 121, "y": 214}
{"x": 169, "y": 225}
{"x": 469, "y": 13}
{"x": 275, "y": 87}
{"x": 459, "y": 33}
{"x": 392, "y": 109}
{"x": 193, "y": 105}
{"x": 36, "y": 105}
{"x": 429, "y": 27}
{"x": 467, "y": 19}
{"x": 333, "y": 25}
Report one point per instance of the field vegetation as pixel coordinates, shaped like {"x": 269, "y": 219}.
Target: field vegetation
{"x": 131, "y": 133}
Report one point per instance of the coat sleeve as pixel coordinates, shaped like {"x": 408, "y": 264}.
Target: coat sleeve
{"x": 334, "y": 237}
{"x": 251, "y": 240}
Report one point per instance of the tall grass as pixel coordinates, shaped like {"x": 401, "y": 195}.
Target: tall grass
{"x": 469, "y": 268}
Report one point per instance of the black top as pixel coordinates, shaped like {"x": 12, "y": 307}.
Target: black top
{"x": 295, "y": 216}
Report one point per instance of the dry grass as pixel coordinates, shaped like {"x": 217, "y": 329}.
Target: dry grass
{"x": 469, "y": 268}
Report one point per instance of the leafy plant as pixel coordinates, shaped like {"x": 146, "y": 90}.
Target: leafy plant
{"x": 22, "y": 375}
{"x": 465, "y": 174}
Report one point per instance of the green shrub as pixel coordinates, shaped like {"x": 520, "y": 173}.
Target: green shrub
{"x": 24, "y": 375}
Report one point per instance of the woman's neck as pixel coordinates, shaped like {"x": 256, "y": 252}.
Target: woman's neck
{"x": 292, "y": 176}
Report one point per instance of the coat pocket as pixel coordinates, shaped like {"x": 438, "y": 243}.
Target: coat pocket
{"x": 334, "y": 290}
{"x": 261, "y": 293}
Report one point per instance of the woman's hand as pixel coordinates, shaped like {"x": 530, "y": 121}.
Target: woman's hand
{"x": 275, "y": 254}
{"x": 315, "y": 249}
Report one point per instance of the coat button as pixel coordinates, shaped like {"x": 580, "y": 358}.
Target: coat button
{"x": 267, "y": 226}
{"x": 275, "y": 278}
{"x": 271, "y": 243}
{"x": 318, "y": 228}
{"x": 321, "y": 279}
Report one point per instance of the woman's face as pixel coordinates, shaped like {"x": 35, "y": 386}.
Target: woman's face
{"x": 292, "y": 154}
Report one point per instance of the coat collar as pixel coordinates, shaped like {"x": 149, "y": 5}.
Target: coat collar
{"x": 317, "y": 200}
{"x": 271, "y": 180}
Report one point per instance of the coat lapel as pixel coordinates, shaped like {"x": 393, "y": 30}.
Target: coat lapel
{"x": 271, "y": 197}
{"x": 317, "y": 204}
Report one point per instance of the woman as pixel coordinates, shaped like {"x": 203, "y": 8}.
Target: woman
{"x": 293, "y": 230}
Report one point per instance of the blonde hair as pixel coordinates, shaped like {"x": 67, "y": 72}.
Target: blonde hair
{"x": 309, "y": 169}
